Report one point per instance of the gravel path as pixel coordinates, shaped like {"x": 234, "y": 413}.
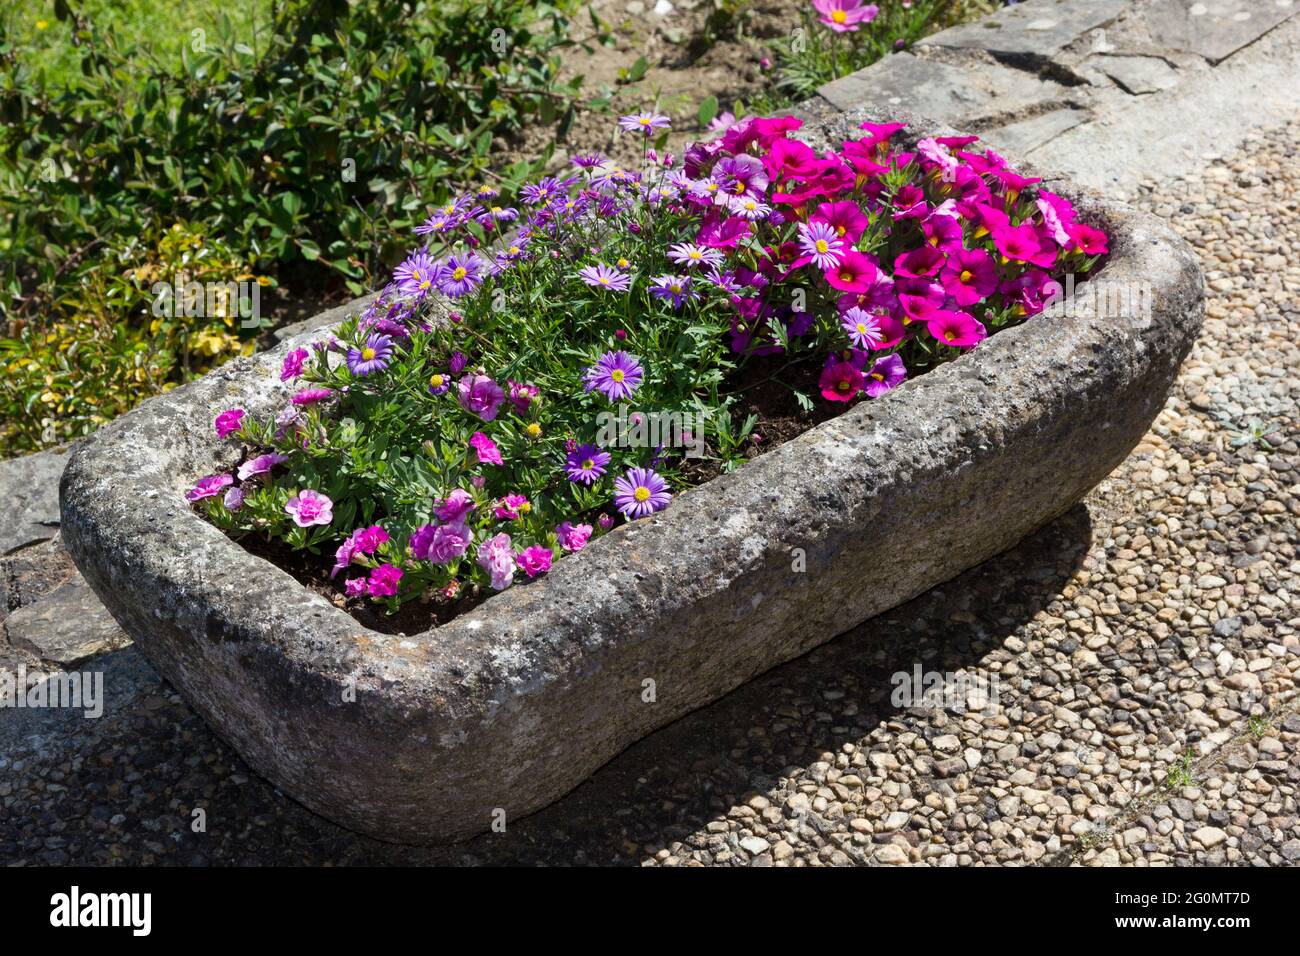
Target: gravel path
{"x": 1144, "y": 647}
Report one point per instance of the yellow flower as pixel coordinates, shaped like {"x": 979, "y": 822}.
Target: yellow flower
{"x": 534, "y": 430}
{"x": 42, "y": 24}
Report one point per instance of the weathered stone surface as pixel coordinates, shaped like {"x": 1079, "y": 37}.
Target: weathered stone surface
{"x": 65, "y": 626}
{"x": 947, "y": 93}
{"x": 1023, "y": 136}
{"x": 425, "y": 738}
{"x": 1214, "y": 29}
{"x": 1138, "y": 74}
{"x": 29, "y": 499}
{"x": 1038, "y": 28}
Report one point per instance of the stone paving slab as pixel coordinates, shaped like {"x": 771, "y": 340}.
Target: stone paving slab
{"x": 65, "y": 626}
{"x": 951, "y": 94}
{"x": 1024, "y": 136}
{"x": 1037, "y": 28}
{"x": 1137, "y": 74}
{"x": 1215, "y": 29}
{"x": 29, "y": 499}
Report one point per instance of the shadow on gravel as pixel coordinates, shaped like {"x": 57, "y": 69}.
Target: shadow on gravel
{"x": 131, "y": 780}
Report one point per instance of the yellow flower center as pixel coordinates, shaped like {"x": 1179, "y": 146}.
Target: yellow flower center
{"x": 877, "y": 376}
{"x": 965, "y": 276}
{"x": 367, "y": 353}
{"x": 839, "y": 16}
{"x": 642, "y": 493}
{"x": 514, "y": 250}
{"x": 845, "y": 385}
{"x": 822, "y": 245}
{"x": 458, "y": 273}
{"x": 623, "y": 263}
{"x": 949, "y": 335}
{"x": 644, "y": 121}
{"x": 862, "y": 328}
{"x": 617, "y": 375}
{"x": 739, "y": 187}
{"x": 588, "y": 464}
{"x": 436, "y": 381}
{"x": 534, "y": 430}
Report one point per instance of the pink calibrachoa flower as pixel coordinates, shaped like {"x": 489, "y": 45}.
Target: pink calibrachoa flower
{"x": 261, "y": 465}
{"x": 923, "y": 262}
{"x": 844, "y": 16}
{"x": 846, "y": 218}
{"x": 355, "y": 587}
{"x": 958, "y": 329}
{"x": 310, "y": 396}
{"x": 292, "y": 366}
{"x": 605, "y": 521}
{"x": 640, "y": 492}
{"x": 1092, "y": 242}
{"x": 309, "y": 507}
{"x": 228, "y": 421}
{"x": 535, "y": 560}
{"x": 496, "y": 557}
{"x": 384, "y": 580}
{"x": 840, "y": 382}
{"x": 486, "y": 449}
{"x": 456, "y": 507}
{"x": 440, "y": 544}
{"x": 1020, "y": 244}
{"x": 209, "y": 487}
{"x": 855, "y": 272}
{"x": 368, "y": 540}
{"x": 522, "y": 396}
{"x": 863, "y": 329}
{"x": 573, "y": 537}
{"x": 480, "y": 395}
{"x": 233, "y": 499}
{"x": 970, "y": 276}
{"x": 887, "y": 372}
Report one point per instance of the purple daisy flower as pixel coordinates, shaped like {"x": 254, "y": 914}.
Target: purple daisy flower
{"x": 673, "y": 289}
{"x": 863, "y": 328}
{"x": 461, "y": 275}
{"x": 601, "y": 276}
{"x": 616, "y": 375}
{"x": 371, "y": 357}
{"x": 646, "y": 123}
{"x": 588, "y": 160}
{"x": 585, "y": 464}
{"x": 821, "y": 243}
{"x": 417, "y": 275}
{"x": 690, "y": 255}
{"x": 640, "y": 492}
{"x": 439, "y": 383}
{"x": 747, "y": 207}
{"x": 540, "y": 192}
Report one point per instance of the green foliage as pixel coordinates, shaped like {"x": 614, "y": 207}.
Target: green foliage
{"x": 303, "y": 147}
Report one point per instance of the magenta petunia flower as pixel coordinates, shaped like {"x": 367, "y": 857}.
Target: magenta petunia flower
{"x": 923, "y": 262}
{"x": 461, "y": 275}
{"x": 616, "y": 375}
{"x": 676, "y": 290}
{"x": 310, "y": 396}
{"x": 887, "y": 372}
{"x": 371, "y": 357}
{"x": 863, "y": 329}
{"x": 354, "y": 587}
{"x": 1090, "y": 241}
{"x": 209, "y": 487}
{"x": 228, "y": 421}
{"x": 309, "y": 508}
{"x": 846, "y": 218}
{"x": 820, "y": 244}
{"x": 601, "y": 276}
{"x": 418, "y": 274}
{"x": 840, "y": 381}
{"x": 958, "y": 329}
{"x": 535, "y": 560}
{"x": 368, "y": 540}
{"x": 511, "y": 507}
{"x": 496, "y": 556}
{"x": 292, "y": 366}
{"x": 585, "y": 464}
{"x": 1020, "y": 244}
{"x": 440, "y": 544}
{"x": 970, "y": 276}
{"x": 646, "y": 123}
{"x": 486, "y": 449}
{"x": 261, "y": 465}
{"x": 522, "y": 395}
{"x": 480, "y": 396}
{"x": 384, "y": 580}
{"x": 640, "y": 492}
{"x": 573, "y": 537}
{"x": 855, "y": 272}
{"x": 456, "y": 507}
{"x": 234, "y": 498}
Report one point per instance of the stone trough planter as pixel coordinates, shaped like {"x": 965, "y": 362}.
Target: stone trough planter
{"x": 432, "y": 737}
